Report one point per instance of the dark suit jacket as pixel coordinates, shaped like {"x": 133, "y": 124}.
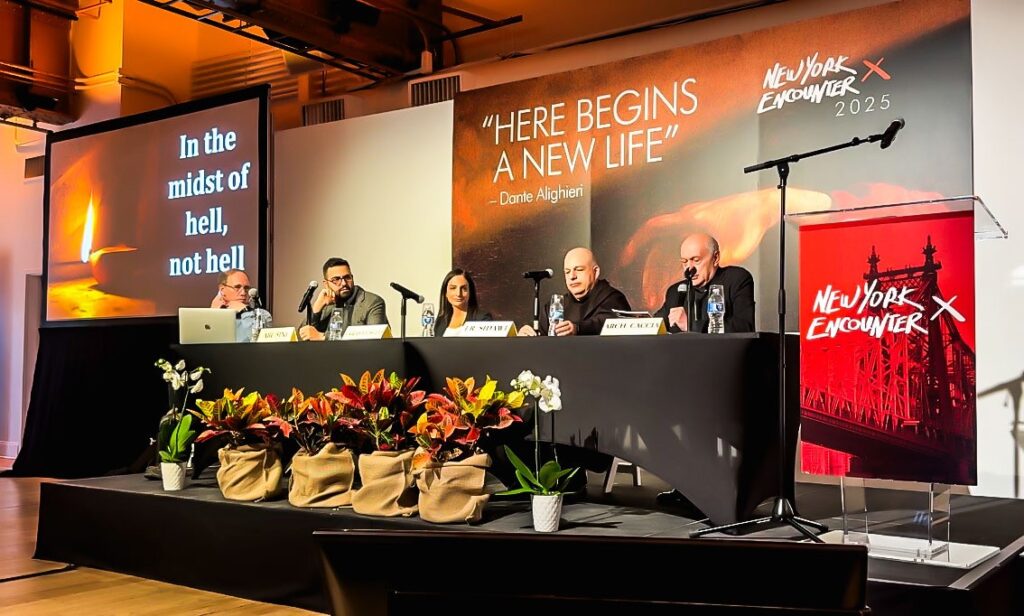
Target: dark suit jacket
{"x": 474, "y": 315}
{"x": 738, "y": 285}
{"x": 364, "y": 308}
{"x": 589, "y": 314}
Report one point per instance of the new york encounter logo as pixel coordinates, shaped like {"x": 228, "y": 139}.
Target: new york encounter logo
{"x": 818, "y": 78}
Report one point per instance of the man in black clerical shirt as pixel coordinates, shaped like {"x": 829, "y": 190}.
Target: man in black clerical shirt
{"x": 588, "y": 303}
{"x": 699, "y": 252}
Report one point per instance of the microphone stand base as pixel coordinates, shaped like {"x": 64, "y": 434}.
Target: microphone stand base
{"x": 782, "y": 514}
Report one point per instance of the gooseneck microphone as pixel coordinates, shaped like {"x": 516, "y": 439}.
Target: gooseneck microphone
{"x": 691, "y": 298}
{"x": 539, "y": 274}
{"x": 254, "y": 299}
{"x": 890, "y": 133}
{"x": 308, "y": 295}
{"x": 407, "y": 293}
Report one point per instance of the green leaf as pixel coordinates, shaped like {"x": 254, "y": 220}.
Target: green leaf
{"x": 520, "y": 466}
{"x": 516, "y": 491}
{"x": 527, "y": 483}
{"x": 179, "y": 439}
{"x": 565, "y": 481}
{"x": 163, "y": 436}
{"x": 549, "y": 474}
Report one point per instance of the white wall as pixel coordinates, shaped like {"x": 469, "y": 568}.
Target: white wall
{"x": 998, "y": 160}
{"x": 375, "y": 190}
{"x": 20, "y": 254}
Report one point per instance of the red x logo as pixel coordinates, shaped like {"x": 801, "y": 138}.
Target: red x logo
{"x": 875, "y": 67}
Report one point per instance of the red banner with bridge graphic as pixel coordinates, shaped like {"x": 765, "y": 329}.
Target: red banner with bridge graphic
{"x": 887, "y": 360}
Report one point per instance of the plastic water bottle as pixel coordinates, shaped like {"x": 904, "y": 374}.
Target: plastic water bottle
{"x": 336, "y": 326}
{"x": 716, "y": 309}
{"x": 257, "y": 324}
{"x": 556, "y": 313}
{"x": 427, "y": 320}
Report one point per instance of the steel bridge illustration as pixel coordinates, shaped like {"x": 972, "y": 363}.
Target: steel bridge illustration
{"x": 903, "y": 401}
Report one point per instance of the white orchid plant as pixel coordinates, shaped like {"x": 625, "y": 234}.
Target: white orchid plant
{"x": 175, "y": 435}
{"x": 549, "y": 398}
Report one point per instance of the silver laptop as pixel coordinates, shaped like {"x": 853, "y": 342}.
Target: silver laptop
{"x": 205, "y": 325}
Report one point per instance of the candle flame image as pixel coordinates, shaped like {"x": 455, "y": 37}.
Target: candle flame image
{"x": 90, "y": 215}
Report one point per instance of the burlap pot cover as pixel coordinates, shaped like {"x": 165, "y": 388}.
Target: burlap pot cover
{"x": 249, "y": 473}
{"x": 324, "y": 479}
{"x": 454, "y": 491}
{"x": 387, "y": 484}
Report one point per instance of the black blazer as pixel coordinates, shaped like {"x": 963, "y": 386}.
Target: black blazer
{"x": 474, "y": 315}
{"x": 739, "y": 300}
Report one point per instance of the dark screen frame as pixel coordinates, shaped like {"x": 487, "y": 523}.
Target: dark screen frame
{"x": 261, "y": 93}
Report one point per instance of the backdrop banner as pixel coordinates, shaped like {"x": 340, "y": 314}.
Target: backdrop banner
{"x": 629, "y": 157}
{"x": 887, "y": 365}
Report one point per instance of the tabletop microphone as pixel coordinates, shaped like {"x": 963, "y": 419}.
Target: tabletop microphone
{"x": 254, "y": 299}
{"x": 890, "y": 133}
{"x": 308, "y": 295}
{"x": 538, "y": 275}
{"x": 681, "y": 292}
{"x": 407, "y": 293}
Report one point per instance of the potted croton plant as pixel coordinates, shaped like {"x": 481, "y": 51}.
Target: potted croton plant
{"x": 175, "y": 434}
{"x": 383, "y": 408}
{"x": 323, "y": 469}
{"x": 450, "y": 466}
{"x": 250, "y": 464}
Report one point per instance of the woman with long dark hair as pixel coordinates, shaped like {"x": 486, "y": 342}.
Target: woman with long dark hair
{"x": 458, "y": 302}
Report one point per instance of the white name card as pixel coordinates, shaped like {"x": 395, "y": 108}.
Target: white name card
{"x": 277, "y": 334}
{"x": 482, "y": 329}
{"x": 652, "y": 326}
{"x": 367, "y": 332}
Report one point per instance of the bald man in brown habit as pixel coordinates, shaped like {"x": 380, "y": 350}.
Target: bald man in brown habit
{"x": 588, "y": 303}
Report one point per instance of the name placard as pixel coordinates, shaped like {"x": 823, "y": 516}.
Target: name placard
{"x": 483, "y": 329}
{"x": 652, "y": 326}
{"x": 277, "y": 334}
{"x": 367, "y": 332}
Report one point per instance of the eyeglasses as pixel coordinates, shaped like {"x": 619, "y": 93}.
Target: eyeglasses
{"x": 238, "y": 287}
{"x": 338, "y": 279}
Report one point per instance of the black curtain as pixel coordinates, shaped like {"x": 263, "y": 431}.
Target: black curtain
{"x": 96, "y": 399}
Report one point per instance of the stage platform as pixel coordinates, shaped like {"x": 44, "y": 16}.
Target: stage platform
{"x": 266, "y": 551}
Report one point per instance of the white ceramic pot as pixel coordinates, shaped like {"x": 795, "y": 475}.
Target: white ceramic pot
{"x": 547, "y": 509}
{"x": 173, "y": 475}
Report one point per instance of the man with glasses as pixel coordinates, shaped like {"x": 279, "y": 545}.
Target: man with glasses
{"x": 233, "y": 294}
{"x": 340, "y": 292}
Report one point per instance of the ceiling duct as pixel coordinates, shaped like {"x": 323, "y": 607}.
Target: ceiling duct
{"x": 35, "y": 60}
{"x": 375, "y": 40}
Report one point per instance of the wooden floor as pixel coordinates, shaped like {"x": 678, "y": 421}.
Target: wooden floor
{"x": 52, "y": 588}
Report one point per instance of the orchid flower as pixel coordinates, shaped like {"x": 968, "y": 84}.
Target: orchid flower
{"x": 178, "y": 377}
